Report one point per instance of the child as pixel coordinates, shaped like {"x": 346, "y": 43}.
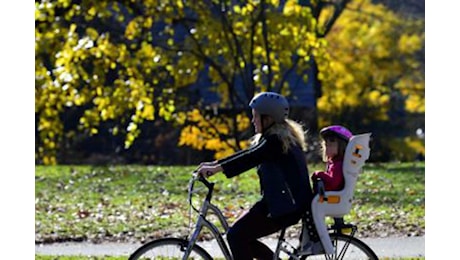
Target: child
{"x": 334, "y": 142}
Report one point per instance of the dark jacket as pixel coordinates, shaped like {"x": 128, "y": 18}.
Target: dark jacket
{"x": 284, "y": 179}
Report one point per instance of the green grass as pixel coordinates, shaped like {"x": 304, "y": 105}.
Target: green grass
{"x": 136, "y": 203}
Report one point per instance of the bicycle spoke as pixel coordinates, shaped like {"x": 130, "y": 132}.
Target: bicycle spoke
{"x": 347, "y": 247}
{"x": 168, "y": 248}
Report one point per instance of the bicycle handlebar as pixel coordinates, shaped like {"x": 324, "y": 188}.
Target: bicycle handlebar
{"x": 198, "y": 177}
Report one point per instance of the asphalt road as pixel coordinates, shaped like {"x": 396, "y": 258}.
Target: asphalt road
{"x": 383, "y": 247}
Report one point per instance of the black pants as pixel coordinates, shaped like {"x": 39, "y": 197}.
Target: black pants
{"x": 242, "y": 236}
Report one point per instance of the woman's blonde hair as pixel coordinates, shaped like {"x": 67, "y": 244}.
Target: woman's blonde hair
{"x": 290, "y": 133}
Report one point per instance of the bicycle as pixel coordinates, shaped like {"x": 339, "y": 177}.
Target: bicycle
{"x": 346, "y": 246}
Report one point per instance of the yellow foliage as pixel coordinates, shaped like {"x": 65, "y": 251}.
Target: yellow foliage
{"x": 291, "y": 7}
{"x": 409, "y": 43}
{"x": 132, "y": 30}
{"x": 194, "y": 115}
{"x": 148, "y": 112}
{"x": 374, "y": 95}
{"x": 243, "y": 122}
{"x": 415, "y": 104}
{"x": 92, "y": 33}
{"x": 207, "y": 133}
{"x": 379, "y": 60}
{"x": 191, "y": 136}
{"x": 406, "y": 149}
{"x": 364, "y": 52}
{"x": 148, "y": 22}
{"x": 213, "y": 144}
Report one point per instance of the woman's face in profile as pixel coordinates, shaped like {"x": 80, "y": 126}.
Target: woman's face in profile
{"x": 256, "y": 121}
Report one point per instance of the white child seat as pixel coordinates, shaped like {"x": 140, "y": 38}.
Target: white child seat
{"x": 338, "y": 203}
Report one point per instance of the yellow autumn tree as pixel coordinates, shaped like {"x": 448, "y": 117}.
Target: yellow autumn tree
{"x": 121, "y": 63}
{"x": 97, "y": 57}
{"x": 376, "y": 79}
{"x": 256, "y": 46}
{"x": 370, "y": 71}
{"x": 125, "y": 62}
{"x": 374, "y": 60}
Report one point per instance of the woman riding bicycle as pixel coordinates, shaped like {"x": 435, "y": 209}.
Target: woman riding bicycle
{"x": 278, "y": 154}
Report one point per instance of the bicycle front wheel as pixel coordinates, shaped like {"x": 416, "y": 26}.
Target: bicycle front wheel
{"x": 347, "y": 247}
{"x": 168, "y": 248}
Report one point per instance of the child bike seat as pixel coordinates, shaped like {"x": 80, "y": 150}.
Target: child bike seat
{"x": 338, "y": 203}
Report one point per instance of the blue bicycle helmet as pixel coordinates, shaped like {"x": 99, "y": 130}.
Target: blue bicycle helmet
{"x": 272, "y": 104}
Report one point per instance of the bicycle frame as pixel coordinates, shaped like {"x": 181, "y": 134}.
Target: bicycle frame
{"x": 283, "y": 245}
{"x": 205, "y": 209}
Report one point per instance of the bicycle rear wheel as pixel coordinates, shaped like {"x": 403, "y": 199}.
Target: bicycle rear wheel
{"x": 168, "y": 248}
{"x": 347, "y": 247}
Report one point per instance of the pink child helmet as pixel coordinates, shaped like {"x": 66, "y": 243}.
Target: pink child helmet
{"x": 338, "y": 130}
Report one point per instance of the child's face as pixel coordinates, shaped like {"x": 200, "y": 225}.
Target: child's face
{"x": 332, "y": 147}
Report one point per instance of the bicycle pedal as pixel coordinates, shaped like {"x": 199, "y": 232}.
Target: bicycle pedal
{"x": 287, "y": 248}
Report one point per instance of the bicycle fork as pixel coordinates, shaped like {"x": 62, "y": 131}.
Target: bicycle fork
{"x": 202, "y": 222}
{"x": 193, "y": 238}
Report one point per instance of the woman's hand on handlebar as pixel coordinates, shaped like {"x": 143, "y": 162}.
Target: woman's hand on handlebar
{"x": 208, "y": 169}
{"x": 207, "y": 163}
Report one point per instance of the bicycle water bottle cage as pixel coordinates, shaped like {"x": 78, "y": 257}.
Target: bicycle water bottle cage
{"x": 336, "y": 204}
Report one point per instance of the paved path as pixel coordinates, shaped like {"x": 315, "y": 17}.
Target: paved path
{"x": 383, "y": 247}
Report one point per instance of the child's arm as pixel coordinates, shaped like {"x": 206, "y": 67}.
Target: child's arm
{"x": 332, "y": 178}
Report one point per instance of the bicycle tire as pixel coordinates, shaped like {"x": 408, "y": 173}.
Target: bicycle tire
{"x": 168, "y": 248}
{"x": 356, "y": 249}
